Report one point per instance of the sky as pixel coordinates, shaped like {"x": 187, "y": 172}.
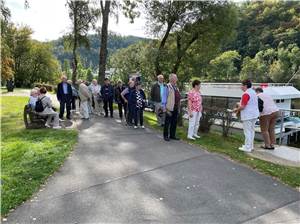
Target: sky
{"x": 49, "y": 19}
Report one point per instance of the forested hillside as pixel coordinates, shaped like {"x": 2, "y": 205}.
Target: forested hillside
{"x": 263, "y": 45}
{"x": 90, "y": 57}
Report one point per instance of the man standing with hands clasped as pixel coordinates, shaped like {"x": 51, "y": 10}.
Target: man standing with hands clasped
{"x": 171, "y": 105}
{"x": 64, "y": 96}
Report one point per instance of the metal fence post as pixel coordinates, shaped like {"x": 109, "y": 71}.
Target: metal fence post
{"x": 281, "y": 126}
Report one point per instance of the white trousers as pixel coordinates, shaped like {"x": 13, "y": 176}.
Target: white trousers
{"x": 84, "y": 109}
{"x": 249, "y": 132}
{"x": 194, "y": 123}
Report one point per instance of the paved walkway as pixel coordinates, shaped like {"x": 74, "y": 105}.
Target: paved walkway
{"x": 121, "y": 175}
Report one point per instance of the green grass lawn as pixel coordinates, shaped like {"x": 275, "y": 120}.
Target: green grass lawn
{"x": 215, "y": 142}
{"x": 28, "y": 157}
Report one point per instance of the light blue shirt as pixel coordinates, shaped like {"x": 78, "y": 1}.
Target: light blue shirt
{"x": 161, "y": 85}
{"x": 32, "y": 101}
{"x": 65, "y": 88}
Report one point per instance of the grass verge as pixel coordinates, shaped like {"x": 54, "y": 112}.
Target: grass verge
{"x": 215, "y": 142}
{"x": 28, "y": 157}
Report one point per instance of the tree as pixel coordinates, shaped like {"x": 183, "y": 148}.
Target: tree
{"x": 7, "y": 62}
{"x": 166, "y": 16}
{"x": 222, "y": 67}
{"x": 83, "y": 17}
{"x": 89, "y": 75}
{"x": 190, "y": 22}
{"x": 254, "y": 69}
{"x": 138, "y": 57}
{"x": 108, "y": 8}
{"x": 67, "y": 69}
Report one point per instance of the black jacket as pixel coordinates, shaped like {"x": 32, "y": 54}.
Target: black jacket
{"x": 155, "y": 93}
{"x": 60, "y": 92}
{"x": 118, "y": 97}
{"x": 107, "y": 92}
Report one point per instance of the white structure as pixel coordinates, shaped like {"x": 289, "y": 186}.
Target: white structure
{"x": 281, "y": 93}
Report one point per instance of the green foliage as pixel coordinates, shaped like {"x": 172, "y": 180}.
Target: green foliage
{"x": 264, "y": 24}
{"x": 89, "y": 75}
{"x": 222, "y": 68}
{"x": 136, "y": 58}
{"x": 28, "y": 157}
{"x": 26, "y": 60}
{"x": 90, "y": 57}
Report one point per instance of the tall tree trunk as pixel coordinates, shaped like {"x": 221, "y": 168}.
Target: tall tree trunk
{"x": 103, "y": 45}
{"x": 161, "y": 46}
{"x": 75, "y": 61}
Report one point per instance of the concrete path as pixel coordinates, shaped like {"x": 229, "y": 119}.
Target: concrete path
{"x": 121, "y": 175}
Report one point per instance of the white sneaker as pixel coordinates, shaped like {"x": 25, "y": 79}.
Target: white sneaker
{"x": 191, "y": 138}
{"x": 135, "y": 127}
{"x": 47, "y": 125}
{"x": 61, "y": 119}
{"x": 57, "y": 127}
{"x": 244, "y": 149}
{"x": 196, "y": 136}
{"x": 143, "y": 127}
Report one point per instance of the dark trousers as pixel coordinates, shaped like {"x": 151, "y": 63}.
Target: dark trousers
{"x": 108, "y": 103}
{"x": 73, "y": 103}
{"x": 138, "y": 116}
{"x": 130, "y": 114}
{"x": 171, "y": 124}
{"x": 120, "y": 108}
{"x": 65, "y": 102}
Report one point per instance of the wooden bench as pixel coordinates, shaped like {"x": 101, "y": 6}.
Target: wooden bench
{"x": 32, "y": 120}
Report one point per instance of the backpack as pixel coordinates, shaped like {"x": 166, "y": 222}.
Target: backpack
{"x": 39, "y": 105}
{"x": 260, "y": 105}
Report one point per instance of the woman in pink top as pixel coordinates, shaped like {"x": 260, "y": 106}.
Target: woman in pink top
{"x": 267, "y": 118}
{"x": 195, "y": 110}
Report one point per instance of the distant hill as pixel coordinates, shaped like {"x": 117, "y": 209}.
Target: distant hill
{"x": 90, "y": 58}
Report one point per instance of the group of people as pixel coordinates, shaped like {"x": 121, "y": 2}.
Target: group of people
{"x": 256, "y": 104}
{"x": 167, "y": 99}
{"x": 131, "y": 101}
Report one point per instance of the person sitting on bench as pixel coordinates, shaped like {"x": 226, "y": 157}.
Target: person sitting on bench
{"x": 52, "y": 116}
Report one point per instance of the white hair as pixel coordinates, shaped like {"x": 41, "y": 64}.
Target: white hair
{"x": 172, "y": 75}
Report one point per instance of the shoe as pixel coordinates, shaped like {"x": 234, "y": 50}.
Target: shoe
{"x": 48, "y": 125}
{"x": 106, "y": 116}
{"x": 267, "y": 148}
{"x": 57, "y": 127}
{"x": 68, "y": 118}
{"x": 244, "y": 149}
{"x": 175, "y": 138}
{"x": 61, "y": 119}
{"x": 191, "y": 138}
{"x": 196, "y": 136}
{"x": 166, "y": 139}
{"x": 143, "y": 127}
{"x": 135, "y": 127}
